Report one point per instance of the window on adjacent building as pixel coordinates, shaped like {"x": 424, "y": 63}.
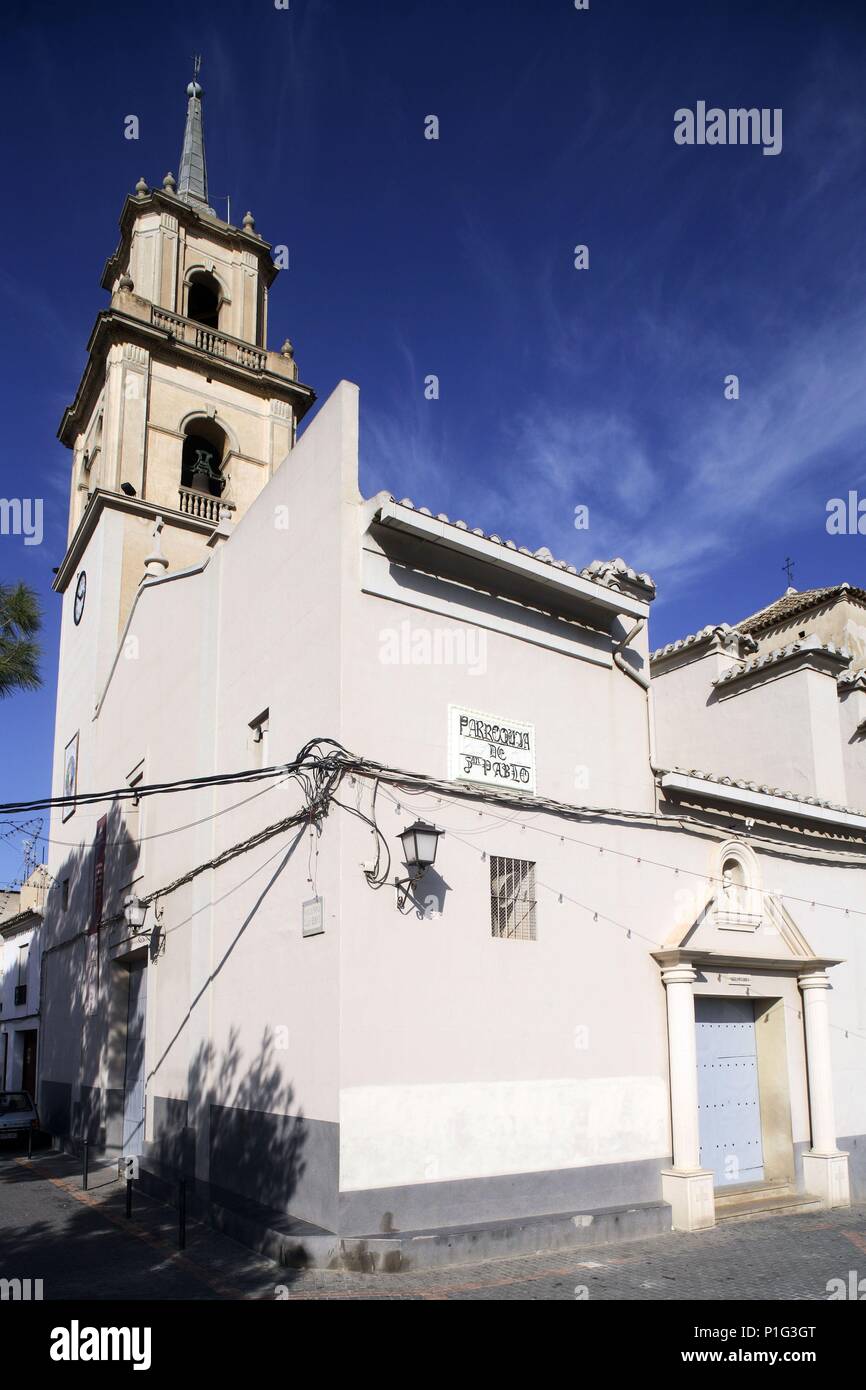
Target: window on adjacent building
{"x": 512, "y": 898}
{"x": 64, "y": 894}
{"x": 21, "y": 983}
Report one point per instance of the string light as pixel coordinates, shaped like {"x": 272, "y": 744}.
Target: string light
{"x": 314, "y": 757}
{"x": 710, "y": 878}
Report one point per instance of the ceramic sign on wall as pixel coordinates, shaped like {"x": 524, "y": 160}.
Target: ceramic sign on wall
{"x": 490, "y": 749}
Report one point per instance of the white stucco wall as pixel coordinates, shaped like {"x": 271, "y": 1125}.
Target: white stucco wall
{"x": 443, "y": 1053}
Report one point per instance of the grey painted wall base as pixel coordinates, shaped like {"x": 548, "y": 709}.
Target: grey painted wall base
{"x": 55, "y": 1105}
{"x": 440, "y": 1249}
{"x": 855, "y": 1147}
{"x": 429, "y": 1206}
{"x": 282, "y": 1161}
{"x": 290, "y": 1164}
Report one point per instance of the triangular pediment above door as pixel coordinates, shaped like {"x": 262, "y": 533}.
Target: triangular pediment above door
{"x": 768, "y": 933}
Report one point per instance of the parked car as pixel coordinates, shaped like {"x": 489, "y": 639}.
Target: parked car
{"x": 18, "y": 1113}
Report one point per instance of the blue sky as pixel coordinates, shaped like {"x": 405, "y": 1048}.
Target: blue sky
{"x": 454, "y": 257}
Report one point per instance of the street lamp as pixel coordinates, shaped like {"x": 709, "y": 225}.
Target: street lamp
{"x": 419, "y": 853}
{"x": 134, "y": 911}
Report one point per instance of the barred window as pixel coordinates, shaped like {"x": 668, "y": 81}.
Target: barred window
{"x": 512, "y": 898}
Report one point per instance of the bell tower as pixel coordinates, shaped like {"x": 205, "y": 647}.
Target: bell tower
{"x": 182, "y": 413}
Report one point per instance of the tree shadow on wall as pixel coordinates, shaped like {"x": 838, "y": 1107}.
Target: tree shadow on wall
{"x": 82, "y": 921}
{"x": 255, "y": 1145}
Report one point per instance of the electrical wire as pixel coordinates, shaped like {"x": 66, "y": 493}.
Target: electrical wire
{"x": 320, "y": 767}
{"x": 161, "y": 834}
{"x": 676, "y": 869}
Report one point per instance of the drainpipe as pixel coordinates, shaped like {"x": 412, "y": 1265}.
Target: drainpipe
{"x": 646, "y": 686}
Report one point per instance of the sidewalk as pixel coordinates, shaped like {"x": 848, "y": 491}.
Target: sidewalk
{"x": 82, "y": 1245}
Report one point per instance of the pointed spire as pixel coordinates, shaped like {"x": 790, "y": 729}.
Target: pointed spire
{"x": 192, "y": 184}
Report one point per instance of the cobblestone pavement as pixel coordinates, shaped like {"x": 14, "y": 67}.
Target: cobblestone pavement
{"x": 83, "y": 1247}
{"x": 787, "y": 1258}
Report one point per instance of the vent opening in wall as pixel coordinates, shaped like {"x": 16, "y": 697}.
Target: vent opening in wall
{"x": 512, "y": 898}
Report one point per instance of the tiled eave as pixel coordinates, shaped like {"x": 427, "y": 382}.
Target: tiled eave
{"x": 799, "y": 655}
{"x": 795, "y": 605}
{"x": 784, "y": 806}
{"x": 716, "y": 636}
{"x": 23, "y": 921}
{"x": 605, "y": 602}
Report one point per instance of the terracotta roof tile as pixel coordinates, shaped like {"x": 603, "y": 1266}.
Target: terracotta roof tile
{"x": 611, "y": 573}
{"x": 794, "y": 602}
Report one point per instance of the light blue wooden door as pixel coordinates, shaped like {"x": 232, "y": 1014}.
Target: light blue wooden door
{"x": 133, "y": 1082}
{"x": 728, "y": 1104}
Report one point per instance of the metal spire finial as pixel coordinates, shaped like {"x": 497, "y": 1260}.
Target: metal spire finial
{"x": 192, "y": 183}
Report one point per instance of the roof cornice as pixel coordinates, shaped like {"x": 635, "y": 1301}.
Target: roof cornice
{"x": 851, "y": 680}
{"x": 725, "y": 960}
{"x": 720, "y": 637}
{"x": 30, "y": 917}
{"x": 810, "y": 654}
{"x": 162, "y": 200}
{"x": 556, "y": 576}
{"x": 102, "y": 500}
{"x": 785, "y": 805}
{"x": 113, "y": 326}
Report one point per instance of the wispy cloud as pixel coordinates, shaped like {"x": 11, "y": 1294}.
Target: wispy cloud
{"x": 679, "y": 493}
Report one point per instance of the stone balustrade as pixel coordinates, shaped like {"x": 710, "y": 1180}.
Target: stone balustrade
{"x": 202, "y": 504}
{"x": 210, "y": 340}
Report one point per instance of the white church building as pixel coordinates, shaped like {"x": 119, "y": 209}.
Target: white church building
{"x": 628, "y": 977}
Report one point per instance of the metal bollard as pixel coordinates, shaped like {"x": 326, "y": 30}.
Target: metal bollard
{"x": 85, "y": 1174}
{"x": 181, "y": 1215}
{"x": 129, "y": 1196}
{"x": 30, "y": 1142}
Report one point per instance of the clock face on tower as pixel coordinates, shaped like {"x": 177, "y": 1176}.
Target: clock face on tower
{"x": 80, "y": 596}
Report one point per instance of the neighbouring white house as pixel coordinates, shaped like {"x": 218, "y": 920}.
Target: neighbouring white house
{"x": 629, "y": 971}
{"x": 20, "y": 947}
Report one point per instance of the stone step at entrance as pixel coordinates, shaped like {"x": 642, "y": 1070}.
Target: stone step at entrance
{"x": 746, "y": 1202}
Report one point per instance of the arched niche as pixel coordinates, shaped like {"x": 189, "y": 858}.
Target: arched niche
{"x": 205, "y": 295}
{"x": 739, "y": 898}
{"x": 205, "y": 451}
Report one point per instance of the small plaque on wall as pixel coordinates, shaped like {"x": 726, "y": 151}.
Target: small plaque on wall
{"x": 313, "y": 917}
